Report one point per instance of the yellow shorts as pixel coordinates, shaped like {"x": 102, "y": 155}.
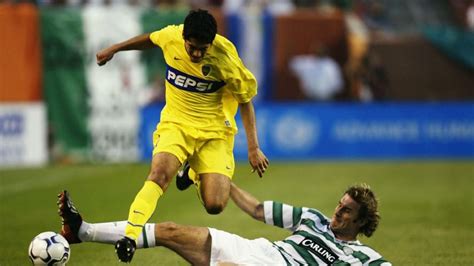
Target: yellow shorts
{"x": 206, "y": 152}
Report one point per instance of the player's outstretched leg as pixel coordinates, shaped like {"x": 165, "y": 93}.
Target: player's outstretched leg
{"x": 70, "y": 218}
{"x": 125, "y": 248}
{"x": 183, "y": 181}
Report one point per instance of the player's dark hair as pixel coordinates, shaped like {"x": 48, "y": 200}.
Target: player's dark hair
{"x": 200, "y": 25}
{"x": 368, "y": 211}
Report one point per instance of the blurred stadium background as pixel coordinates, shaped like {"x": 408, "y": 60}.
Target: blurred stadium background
{"x": 394, "y": 108}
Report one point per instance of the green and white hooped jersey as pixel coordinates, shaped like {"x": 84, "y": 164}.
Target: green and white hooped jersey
{"x": 313, "y": 242}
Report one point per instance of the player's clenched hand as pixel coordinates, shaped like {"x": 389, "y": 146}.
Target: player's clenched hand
{"x": 258, "y": 161}
{"x": 104, "y": 56}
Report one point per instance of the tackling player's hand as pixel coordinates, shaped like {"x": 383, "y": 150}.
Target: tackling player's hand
{"x": 258, "y": 161}
{"x": 104, "y": 56}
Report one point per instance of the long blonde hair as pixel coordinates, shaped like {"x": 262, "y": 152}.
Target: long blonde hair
{"x": 368, "y": 211}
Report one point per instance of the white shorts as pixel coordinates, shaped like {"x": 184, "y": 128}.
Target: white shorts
{"x": 232, "y": 249}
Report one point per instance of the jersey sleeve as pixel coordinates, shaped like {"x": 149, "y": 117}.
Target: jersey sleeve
{"x": 290, "y": 217}
{"x": 282, "y": 215}
{"x": 241, "y": 82}
{"x": 161, "y": 37}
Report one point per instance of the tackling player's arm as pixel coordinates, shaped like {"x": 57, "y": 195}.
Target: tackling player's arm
{"x": 246, "y": 202}
{"x": 257, "y": 159}
{"x": 139, "y": 42}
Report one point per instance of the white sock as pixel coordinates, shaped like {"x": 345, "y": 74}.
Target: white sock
{"x": 109, "y": 233}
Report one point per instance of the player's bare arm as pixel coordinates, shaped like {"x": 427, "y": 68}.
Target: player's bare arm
{"x": 140, "y": 42}
{"x": 257, "y": 158}
{"x": 247, "y": 202}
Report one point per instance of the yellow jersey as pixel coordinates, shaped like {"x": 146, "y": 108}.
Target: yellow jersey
{"x": 203, "y": 95}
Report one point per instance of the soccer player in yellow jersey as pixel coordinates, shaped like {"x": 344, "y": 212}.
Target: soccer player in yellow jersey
{"x": 206, "y": 82}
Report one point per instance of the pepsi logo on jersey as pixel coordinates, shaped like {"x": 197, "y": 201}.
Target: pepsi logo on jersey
{"x": 190, "y": 83}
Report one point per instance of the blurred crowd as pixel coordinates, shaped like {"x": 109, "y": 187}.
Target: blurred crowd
{"x": 375, "y": 13}
{"x": 363, "y": 75}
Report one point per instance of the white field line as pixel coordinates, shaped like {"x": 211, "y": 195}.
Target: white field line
{"x": 40, "y": 182}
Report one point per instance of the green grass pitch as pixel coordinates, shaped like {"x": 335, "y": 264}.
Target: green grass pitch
{"x": 426, "y": 206}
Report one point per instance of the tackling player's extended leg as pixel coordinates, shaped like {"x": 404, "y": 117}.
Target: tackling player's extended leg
{"x": 76, "y": 230}
{"x": 190, "y": 242}
{"x": 70, "y": 218}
